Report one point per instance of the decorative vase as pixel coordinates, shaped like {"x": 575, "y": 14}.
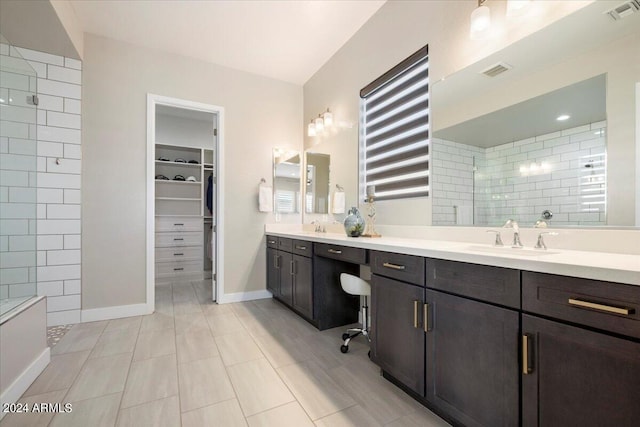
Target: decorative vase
{"x": 354, "y": 223}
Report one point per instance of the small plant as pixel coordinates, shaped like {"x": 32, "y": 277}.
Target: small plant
{"x": 356, "y": 230}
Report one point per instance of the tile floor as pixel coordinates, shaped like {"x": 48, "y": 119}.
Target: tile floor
{"x": 195, "y": 363}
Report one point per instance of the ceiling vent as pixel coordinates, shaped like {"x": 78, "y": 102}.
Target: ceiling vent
{"x": 624, "y": 10}
{"x": 496, "y": 69}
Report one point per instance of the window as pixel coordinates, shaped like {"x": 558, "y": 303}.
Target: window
{"x": 394, "y": 132}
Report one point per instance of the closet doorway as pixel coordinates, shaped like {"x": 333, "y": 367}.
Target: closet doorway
{"x": 184, "y": 207}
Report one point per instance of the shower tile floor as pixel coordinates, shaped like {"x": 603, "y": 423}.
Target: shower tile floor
{"x": 196, "y": 363}
{"x": 55, "y": 334}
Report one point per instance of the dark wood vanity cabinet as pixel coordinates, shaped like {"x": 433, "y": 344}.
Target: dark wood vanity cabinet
{"x": 302, "y": 286}
{"x": 289, "y": 274}
{"x": 472, "y": 360}
{"x": 586, "y": 372}
{"x": 397, "y": 342}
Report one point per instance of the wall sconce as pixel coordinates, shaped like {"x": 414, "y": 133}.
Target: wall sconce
{"x": 480, "y": 22}
{"x": 321, "y": 123}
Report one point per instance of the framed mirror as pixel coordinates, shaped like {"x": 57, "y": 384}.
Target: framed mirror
{"x": 503, "y": 146}
{"x": 317, "y": 183}
{"x": 286, "y": 181}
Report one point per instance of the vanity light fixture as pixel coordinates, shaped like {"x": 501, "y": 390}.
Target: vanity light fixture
{"x": 563, "y": 117}
{"x": 311, "y": 129}
{"x": 327, "y": 116}
{"x": 320, "y": 124}
{"x": 480, "y": 22}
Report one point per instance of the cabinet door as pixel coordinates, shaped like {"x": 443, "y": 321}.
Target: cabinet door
{"x": 273, "y": 271}
{"x": 398, "y": 338}
{"x": 577, "y": 377}
{"x": 472, "y": 360}
{"x": 303, "y": 286}
{"x": 286, "y": 277}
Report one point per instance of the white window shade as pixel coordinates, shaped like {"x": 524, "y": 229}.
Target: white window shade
{"x": 395, "y": 131}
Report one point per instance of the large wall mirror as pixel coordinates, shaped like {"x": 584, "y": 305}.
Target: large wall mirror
{"x": 317, "y": 183}
{"x": 550, "y": 134}
{"x": 286, "y": 181}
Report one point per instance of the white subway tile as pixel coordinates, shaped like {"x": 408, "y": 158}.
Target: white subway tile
{"x": 50, "y": 149}
{"x": 9, "y": 276}
{"x": 70, "y": 166}
{"x": 18, "y": 114}
{"x": 72, "y": 151}
{"x": 17, "y": 259}
{"x": 64, "y": 257}
{"x": 58, "y": 226}
{"x": 22, "y": 290}
{"x": 22, "y": 243}
{"x": 566, "y": 148}
{"x": 34, "y": 55}
{"x": 41, "y": 258}
{"x": 39, "y": 67}
{"x": 56, "y": 134}
{"x": 69, "y": 317}
{"x": 50, "y": 195}
{"x": 14, "y": 81}
{"x": 72, "y": 196}
{"x": 32, "y": 226}
{"x": 14, "y": 130}
{"x": 14, "y": 227}
{"x": 55, "y": 88}
{"x": 61, "y": 303}
{"x": 17, "y": 210}
{"x": 4, "y": 49}
{"x": 599, "y": 125}
{"x": 41, "y": 118}
{"x": 4, "y": 243}
{"x": 22, "y": 195}
{"x": 17, "y": 162}
{"x": 50, "y": 289}
{"x": 72, "y": 287}
{"x": 591, "y": 143}
{"x": 51, "y": 103}
{"x": 548, "y": 136}
{"x": 4, "y": 292}
{"x": 62, "y": 74}
{"x": 59, "y": 272}
{"x": 50, "y": 242}
{"x": 63, "y": 211}
{"x": 4, "y": 144}
{"x": 73, "y": 63}
{"x": 41, "y": 164}
{"x": 575, "y": 130}
{"x": 72, "y": 241}
{"x": 72, "y": 106}
{"x": 11, "y": 178}
{"x": 64, "y": 120}
{"x": 58, "y": 180}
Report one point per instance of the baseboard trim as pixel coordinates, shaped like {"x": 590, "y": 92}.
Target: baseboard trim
{"x": 115, "y": 312}
{"x": 244, "y": 296}
{"x": 22, "y": 383}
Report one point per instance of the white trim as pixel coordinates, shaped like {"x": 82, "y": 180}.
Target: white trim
{"x": 244, "y": 296}
{"x": 25, "y": 379}
{"x": 637, "y": 154}
{"x": 152, "y": 101}
{"x": 115, "y": 312}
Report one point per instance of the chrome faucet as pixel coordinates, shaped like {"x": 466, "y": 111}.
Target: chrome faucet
{"x": 511, "y": 223}
{"x": 540, "y": 244}
{"x": 319, "y": 227}
{"x": 498, "y": 241}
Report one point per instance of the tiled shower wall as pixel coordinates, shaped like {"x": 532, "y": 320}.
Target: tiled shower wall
{"x": 568, "y": 178}
{"x": 58, "y": 180}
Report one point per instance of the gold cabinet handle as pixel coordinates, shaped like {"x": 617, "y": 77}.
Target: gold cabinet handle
{"x": 426, "y": 317}
{"x": 334, "y": 251}
{"x": 415, "y": 313}
{"x": 272, "y": 242}
{"x": 526, "y": 369}
{"x": 302, "y": 248}
{"x": 602, "y": 307}
{"x": 394, "y": 266}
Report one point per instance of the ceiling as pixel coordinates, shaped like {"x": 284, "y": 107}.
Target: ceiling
{"x": 284, "y": 40}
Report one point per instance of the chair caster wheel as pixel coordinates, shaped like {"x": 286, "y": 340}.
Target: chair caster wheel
{"x": 344, "y": 348}
{"x": 345, "y": 336}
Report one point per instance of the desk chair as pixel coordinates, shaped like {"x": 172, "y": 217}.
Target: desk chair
{"x": 356, "y": 286}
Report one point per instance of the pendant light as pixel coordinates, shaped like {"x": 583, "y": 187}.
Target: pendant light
{"x": 480, "y": 22}
{"x": 311, "y": 129}
{"x": 327, "y": 116}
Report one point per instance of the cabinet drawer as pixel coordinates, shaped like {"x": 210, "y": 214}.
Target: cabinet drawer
{"x": 342, "y": 253}
{"x": 178, "y": 268}
{"x": 492, "y": 284}
{"x": 272, "y": 242}
{"x": 178, "y": 224}
{"x": 285, "y": 244}
{"x": 301, "y": 247}
{"x": 188, "y": 253}
{"x": 164, "y": 240}
{"x": 608, "y": 306}
{"x": 407, "y": 268}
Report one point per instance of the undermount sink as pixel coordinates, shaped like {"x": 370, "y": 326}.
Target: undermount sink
{"x": 507, "y": 250}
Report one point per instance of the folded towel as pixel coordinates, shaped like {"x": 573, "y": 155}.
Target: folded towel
{"x": 265, "y": 199}
{"x": 338, "y": 202}
{"x": 464, "y": 215}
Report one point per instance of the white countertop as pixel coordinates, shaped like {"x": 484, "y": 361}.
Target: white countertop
{"x": 621, "y": 268}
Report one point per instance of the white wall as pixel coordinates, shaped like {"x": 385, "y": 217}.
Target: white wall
{"x": 260, "y": 114}
{"x": 397, "y": 30}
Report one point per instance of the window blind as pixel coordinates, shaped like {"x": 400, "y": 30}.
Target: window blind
{"x": 395, "y": 130}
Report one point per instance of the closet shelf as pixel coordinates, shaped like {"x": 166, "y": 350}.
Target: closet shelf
{"x": 183, "y": 199}
{"x": 181, "y": 216}
{"x": 171, "y": 181}
{"x": 189, "y": 165}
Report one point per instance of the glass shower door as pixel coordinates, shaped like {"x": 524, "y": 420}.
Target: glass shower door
{"x": 18, "y": 171}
